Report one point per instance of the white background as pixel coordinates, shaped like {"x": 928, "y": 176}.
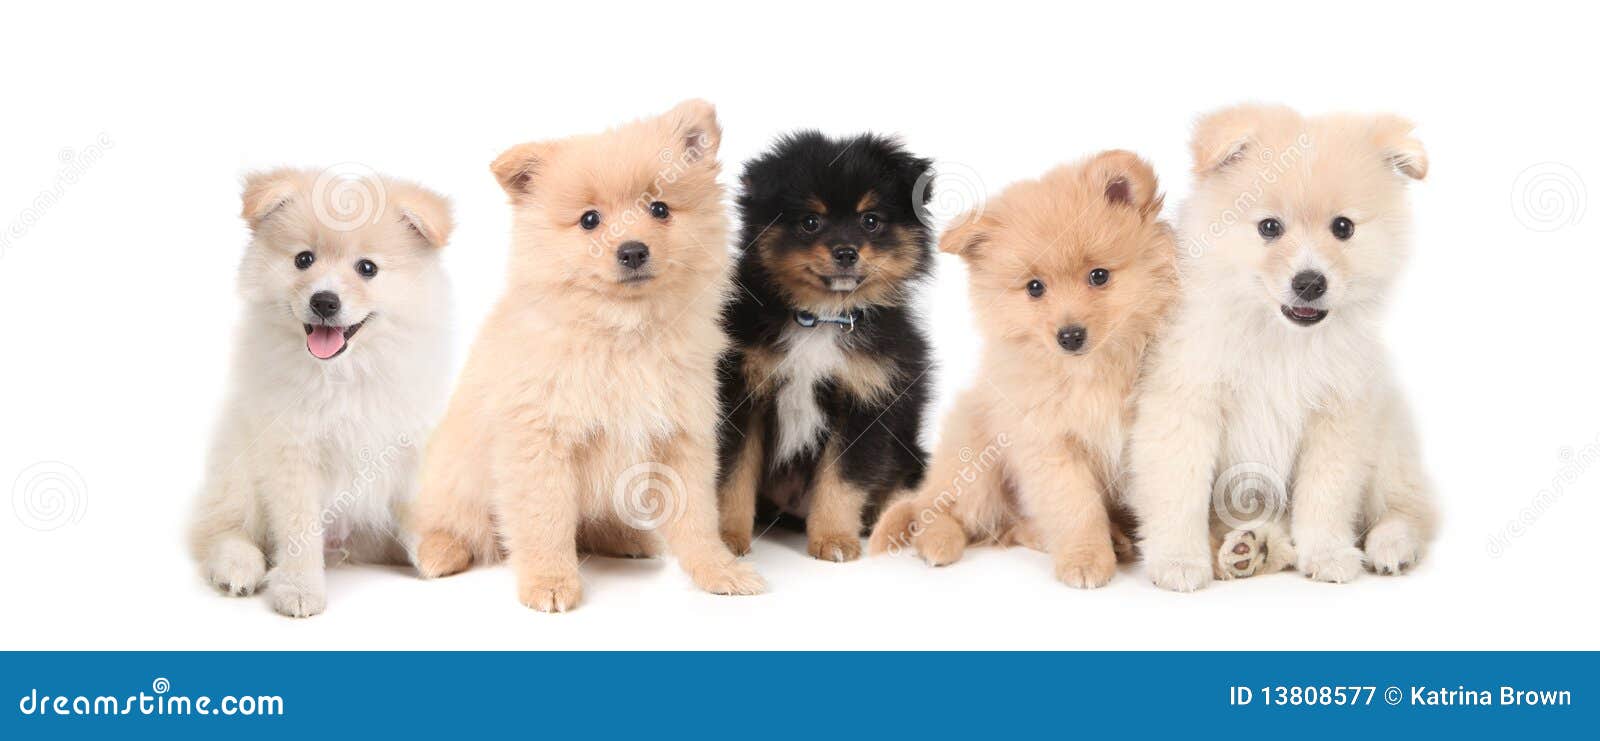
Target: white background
{"x": 118, "y": 306}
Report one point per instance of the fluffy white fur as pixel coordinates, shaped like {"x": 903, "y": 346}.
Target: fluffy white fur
{"x": 316, "y": 453}
{"x": 1236, "y": 395}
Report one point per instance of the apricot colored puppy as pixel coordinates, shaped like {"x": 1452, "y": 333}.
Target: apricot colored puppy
{"x": 1071, "y": 276}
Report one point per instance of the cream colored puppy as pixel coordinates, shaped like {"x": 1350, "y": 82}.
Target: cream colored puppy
{"x": 339, "y": 370}
{"x": 586, "y": 416}
{"x": 1267, "y": 402}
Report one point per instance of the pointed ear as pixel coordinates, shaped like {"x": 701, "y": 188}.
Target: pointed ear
{"x": 519, "y": 166}
{"x": 695, "y": 131}
{"x": 265, "y": 193}
{"x": 426, "y": 212}
{"x": 1222, "y": 138}
{"x": 967, "y": 234}
{"x": 1399, "y": 147}
{"x": 1127, "y": 180}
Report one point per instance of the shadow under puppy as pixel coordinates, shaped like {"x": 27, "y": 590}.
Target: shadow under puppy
{"x": 340, "y": 368}
{"x": 824, "y": 390}
{"x": 1071, "y": 275}
{"x": 586, "y": 415}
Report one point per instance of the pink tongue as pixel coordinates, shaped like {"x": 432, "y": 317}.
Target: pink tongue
{"x": 325, "y": 342}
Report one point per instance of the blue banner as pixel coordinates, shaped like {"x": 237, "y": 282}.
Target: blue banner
{"x": 240, "y": 695}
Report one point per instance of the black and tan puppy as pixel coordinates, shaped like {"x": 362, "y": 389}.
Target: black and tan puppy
{"x": 824, "y": 388}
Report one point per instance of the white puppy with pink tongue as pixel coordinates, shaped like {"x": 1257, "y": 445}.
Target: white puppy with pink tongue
{"x": 316, "y": 452}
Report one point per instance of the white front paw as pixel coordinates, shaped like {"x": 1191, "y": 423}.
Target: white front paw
{"x": 1335, "y": 565}
{"x": 1392, "y": 548}
{"x": 236, "y": 568}
{"x": 1176, "y": 573}
{"x": 296, "y": 595}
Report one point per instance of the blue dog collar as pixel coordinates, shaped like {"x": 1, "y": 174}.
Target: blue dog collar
{"x": 808, "y": 320}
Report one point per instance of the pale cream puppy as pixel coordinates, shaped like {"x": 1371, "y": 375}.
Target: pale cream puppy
{"x": 1071, "y": 275}
{"x": 340, "y": 368}
{"x": 1273, "y": 368}
{"x": 587, "y": 412}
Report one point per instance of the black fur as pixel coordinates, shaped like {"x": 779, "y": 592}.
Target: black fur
{"x": 882, "y": 453}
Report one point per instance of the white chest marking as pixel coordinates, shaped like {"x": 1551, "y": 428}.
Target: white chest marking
{"x": 811, "y": 356}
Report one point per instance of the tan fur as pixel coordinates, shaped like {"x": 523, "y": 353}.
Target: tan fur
{"x": 1032, "y": 453}
{"x": 581, "y": 387}
{"x": 867, "y": 377}
{"x": 833, "y": 527}
{"x": 737, "y": 495}
{"x": 886, "y": 272}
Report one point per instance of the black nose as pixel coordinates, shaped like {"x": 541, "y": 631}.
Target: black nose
{"x": 633, "y": 255}
{"x": 1072, "y": 338}
{"x": 325, "y": 304}
{"x": 844, "y": 257}
{"x": 1309, "y": 285}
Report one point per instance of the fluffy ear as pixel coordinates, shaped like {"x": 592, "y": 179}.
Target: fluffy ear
{"x": 1399, "y": 147}
{"x": 912, "y": 170}
{"x": 1127, "y": 180}
{"x": 967, "y": 234}
{"x": 519, "y": 166}
{"x": 1221, "y": 138}
{"x": 266, "y": 192}
{"x": 695, "y": 130}
{"x": 427, "y": 213}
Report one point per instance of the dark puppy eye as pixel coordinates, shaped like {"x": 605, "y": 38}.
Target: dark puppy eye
{"x": 304, "y": 260}
{"x": 870, "y": 222}
{"x": 1099, "y": 276}
{"x": 367, "y": 268}
{"x": 1270, "y": 228}
{"x": 659, "y": 210}
{"x": 589, "y": 220}
{"x": 1342, "y": 227}
{"x": 811, "y": 224}
{"x": 1035, "y": 288}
